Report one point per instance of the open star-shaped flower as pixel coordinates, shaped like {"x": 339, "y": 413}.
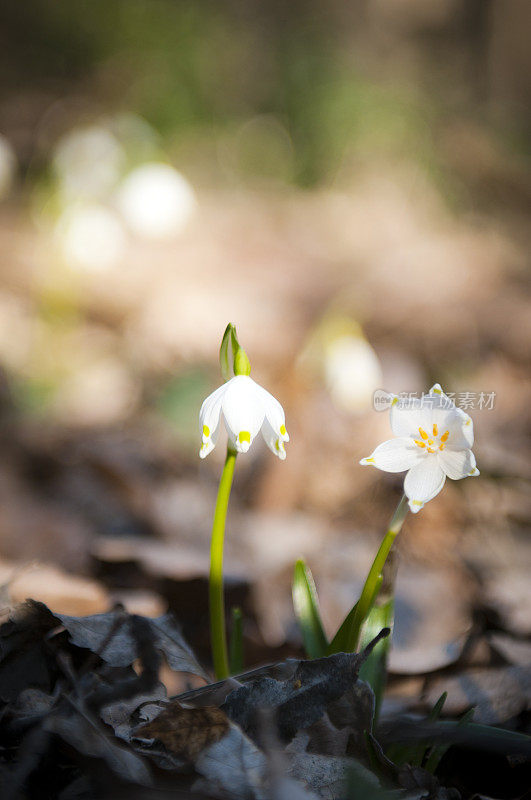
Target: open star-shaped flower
{"x": 246, "y": 408}
{"x": 432, "y": 441}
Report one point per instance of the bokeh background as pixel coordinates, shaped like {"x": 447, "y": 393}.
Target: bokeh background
{"x": 349, "y": 184}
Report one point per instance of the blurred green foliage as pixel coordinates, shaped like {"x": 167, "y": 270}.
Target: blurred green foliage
{"x": 180, "y": 399}
{"x": 33, "y": 395}
{"x": 204, "y": 68}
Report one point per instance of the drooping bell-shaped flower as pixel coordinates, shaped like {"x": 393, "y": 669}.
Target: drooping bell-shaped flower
{"x": 246, "y": 408}
{"x": 243, "y": 404}
{"x": 432, "y": 441}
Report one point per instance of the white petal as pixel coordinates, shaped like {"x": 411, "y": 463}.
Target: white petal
{"x": 209, "y": 419}
{"x": 395, "y": 455}
{"x": 274, "y": 425}
{"x": 274, "y": 439}
{"x": 274, "y": 412}
{"x": 423, "y": 482}
{"x": 455, "y": 420}
{"x": 211, "y": 406}
{"x": 243, "y": 411}
{"x": 406, "y": 416}
{"x": 409, "y": 416}
{"x": 461, "y": 430}
{"x": 458, "y": 464}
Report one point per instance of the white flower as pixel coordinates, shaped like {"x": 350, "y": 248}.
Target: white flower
{"x": 156, "y": 201}
{"x": 433, "y": 441}
{"x": 246, "y": 408}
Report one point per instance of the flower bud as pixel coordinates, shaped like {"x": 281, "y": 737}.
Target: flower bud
{"x": 242, "y": 365}
{"x": 233, "y": 359}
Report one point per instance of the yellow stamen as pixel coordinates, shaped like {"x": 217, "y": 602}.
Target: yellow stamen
{"x": 441, "y": 447}
{"x": 206, "y": 431}
{"x": 423, "y": 433}
{"x": 244, "y": 436}
{"x": 430, "y": 441}
{"x": 419, "y": 443}
{"x": 431, "y": 450}
{"x": 283, "y": 430}
{"x": 435, "y": 429}
{"x": 445, "y": 436}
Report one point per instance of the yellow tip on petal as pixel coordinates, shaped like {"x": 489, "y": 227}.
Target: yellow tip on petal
{"x": 416, "y": 505}
{"x": 283, "y": 430}
{"x": 437, "y": 391}
{"x": 206, "y": 431}
{"x": 244, "y": 436}
{"x": 394, "y": 401}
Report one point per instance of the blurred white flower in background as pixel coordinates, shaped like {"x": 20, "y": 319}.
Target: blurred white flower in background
{"x": 156, "y": 201}
{"x": 352, "y": 372}
{"x": 8, "y": 166}
{"x": 91, "y": 238}
{"x": 88, "y": 163}
{"x": 338, "y": 353}
{"x": 97, "y": 205}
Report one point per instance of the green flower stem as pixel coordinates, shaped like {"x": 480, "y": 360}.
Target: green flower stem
{"x": 218, "y": 635}
{"x": 370, "y": 588}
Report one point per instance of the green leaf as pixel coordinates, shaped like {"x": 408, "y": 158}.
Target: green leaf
{"x": 435, "y": 713}
{"x": 374, "y": 670}
{"x": 415, "y": 754}
{"x": 437, "y": 751}
{"x": 236, "y": 643}
{"x": 342, "y": 643}
{"x": 419, "y": 754}
{"x": 439, "y": 735}
{"x": 306, "y": 606}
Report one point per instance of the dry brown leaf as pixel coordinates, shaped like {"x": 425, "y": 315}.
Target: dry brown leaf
{"x": 186, "y": 731}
